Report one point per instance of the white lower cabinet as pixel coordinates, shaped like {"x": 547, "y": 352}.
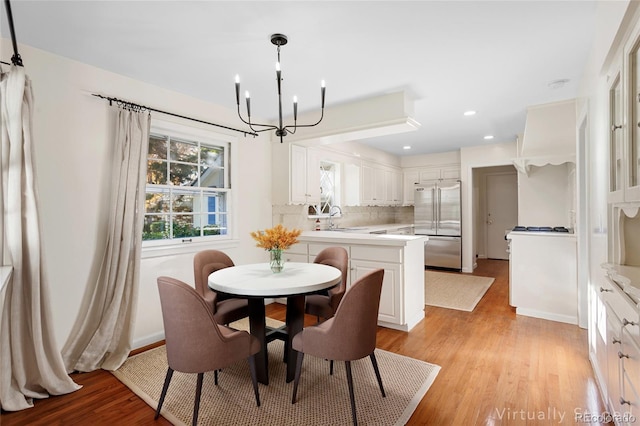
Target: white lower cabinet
{"x": 389, "y": 300}
{"x": 617, "y": 352}
{"x": 402, "y": 298}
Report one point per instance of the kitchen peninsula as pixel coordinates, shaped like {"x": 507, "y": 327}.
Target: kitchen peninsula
{"x": 401, "y": 257}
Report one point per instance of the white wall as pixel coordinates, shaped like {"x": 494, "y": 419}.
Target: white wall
{"x": 545, "y": 197}
{"x": 72, "y": 136}
{"x": 498, "y": 154}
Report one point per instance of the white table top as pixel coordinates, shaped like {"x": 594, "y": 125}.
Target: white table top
{"x": 258, "y": 280}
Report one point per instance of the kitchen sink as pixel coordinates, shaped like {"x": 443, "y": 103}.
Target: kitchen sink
{"x": 348, "y": 229}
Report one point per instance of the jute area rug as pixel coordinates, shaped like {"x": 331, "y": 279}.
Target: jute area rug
{"x": 454, "y": 290}
{"x": 322, "y": 399}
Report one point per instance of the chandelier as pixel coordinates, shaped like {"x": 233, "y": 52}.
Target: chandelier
{"x": 281, "y": 130}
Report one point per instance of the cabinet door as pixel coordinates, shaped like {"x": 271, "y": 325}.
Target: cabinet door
{"x": 450, "y": 173}
{"x": 298, "y": 176}
{"x": 305, "y": 176}
{"x": 430, "y": 174}
{"x": 367, "y": 184}
{"x": 632, "y": 190}
{"x": 379, "y": 186}
{"x": 390, "y": 297}
{"x": 410, "y": 180}
{"x": 614, "y": 378}
{"x": 616, "y": 142}
{"x": 313, "y": 177}
{"x": 394, "y": 189}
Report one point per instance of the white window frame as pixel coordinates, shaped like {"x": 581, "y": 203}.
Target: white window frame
{"x": 166, "y": 247}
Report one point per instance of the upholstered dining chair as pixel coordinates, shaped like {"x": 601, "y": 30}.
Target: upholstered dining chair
{"x": 349, "y": 335}
{"x": 325, "y": 305}
{"x": 196, "y": 343}
{"x": 225, "y": 309}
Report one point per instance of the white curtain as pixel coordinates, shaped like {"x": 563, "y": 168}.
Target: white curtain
{"x": 102, "y": 334}
{"x": 30, "y": 363}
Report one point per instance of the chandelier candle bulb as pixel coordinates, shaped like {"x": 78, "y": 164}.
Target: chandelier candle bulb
{"x": 322, "y": 89}
{"x": 246, "y": 95}
{"x": 295, "y": 108}
{"x": 238, "y": 90}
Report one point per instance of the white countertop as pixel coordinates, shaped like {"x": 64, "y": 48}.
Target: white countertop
{"x": 627, "y": 278}
{"x": 359, "y": 238}
{"x": 541, "y": 234}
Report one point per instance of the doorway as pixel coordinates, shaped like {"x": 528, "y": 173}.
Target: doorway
{"x": 497, "y": 209}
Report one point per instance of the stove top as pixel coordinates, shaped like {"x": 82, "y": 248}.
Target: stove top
{"x": 541, "y": 229}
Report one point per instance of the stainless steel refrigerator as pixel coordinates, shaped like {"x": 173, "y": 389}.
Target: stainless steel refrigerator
{"x": 437, "y": 214}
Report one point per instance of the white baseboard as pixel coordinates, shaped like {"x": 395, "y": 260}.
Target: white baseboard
{"x": 568, "y": 319}
{"x": 148, "y": 340}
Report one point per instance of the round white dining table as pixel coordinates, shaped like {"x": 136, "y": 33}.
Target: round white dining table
{"x": 256, "y": 282}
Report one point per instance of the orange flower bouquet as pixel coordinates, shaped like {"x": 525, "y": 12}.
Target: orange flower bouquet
{"x": 275, "y": 240}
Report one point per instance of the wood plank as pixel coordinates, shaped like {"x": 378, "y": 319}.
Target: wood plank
{"x": 494, "y": 363}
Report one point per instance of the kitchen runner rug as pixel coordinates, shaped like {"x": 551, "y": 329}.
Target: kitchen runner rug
{"x": 454, "y": 290}
{"x": 322, "y": 399}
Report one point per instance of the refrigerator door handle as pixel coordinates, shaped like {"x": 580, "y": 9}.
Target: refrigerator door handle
{"x": 434, "y": 216}
{"x": 439, "y": 209}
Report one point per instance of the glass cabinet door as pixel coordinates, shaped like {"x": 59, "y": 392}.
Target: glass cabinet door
{"x": 615, "y": 136}
{"x": 634, "y": 143}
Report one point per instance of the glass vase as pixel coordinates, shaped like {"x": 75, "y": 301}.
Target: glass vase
{"x": 277, "y": 260}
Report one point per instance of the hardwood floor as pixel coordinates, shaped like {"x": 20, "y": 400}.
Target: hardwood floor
{"x": 497, "y": 368}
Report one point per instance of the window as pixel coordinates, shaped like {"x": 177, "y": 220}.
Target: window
{"x": 329, "y": 189}
{"x": 187, "y": 190}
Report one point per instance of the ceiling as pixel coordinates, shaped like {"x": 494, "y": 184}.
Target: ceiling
{"x": 493, "y": 57}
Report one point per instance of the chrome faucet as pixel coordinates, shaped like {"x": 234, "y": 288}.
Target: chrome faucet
{"x": 331, "y": 224}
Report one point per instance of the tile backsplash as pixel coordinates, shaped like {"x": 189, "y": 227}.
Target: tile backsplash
{"x": 295, "y": 216}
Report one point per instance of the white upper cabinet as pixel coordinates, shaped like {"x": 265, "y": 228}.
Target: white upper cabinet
{"x": 632, "y": 181}
{"x": 304, "y": 180}
{"x": 616, "y": 140}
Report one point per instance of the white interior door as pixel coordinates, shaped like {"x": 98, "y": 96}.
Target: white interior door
{"x": 502, "y": 212}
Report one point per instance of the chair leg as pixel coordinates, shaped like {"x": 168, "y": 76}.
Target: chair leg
{"x": 254, "y": 377}
{"x": 215, "y": 377}
{"x": 351, "y": 394}
{"x": 377, "y": 370}
{"x": 297, "y": 378}
{"x": 167, "y": 380}
{"x": 331, "y": 367}
{"x": 196, "y": 404}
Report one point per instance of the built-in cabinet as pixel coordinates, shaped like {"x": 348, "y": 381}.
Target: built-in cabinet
{"x": 380, "y": 185}
{"x": 417, "y": 175}
{"x": 624, "y": 123}
{"x": 402, "y": 298}
{"x": 617, "y": 349}
{"x": 615, "y": 307}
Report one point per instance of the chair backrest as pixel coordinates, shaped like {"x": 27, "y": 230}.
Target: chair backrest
{"x": 355, "y": 322}
{"x": 204, "y": 263}
{"x": 193, "y": 339}
{"x": 338, "y": 258}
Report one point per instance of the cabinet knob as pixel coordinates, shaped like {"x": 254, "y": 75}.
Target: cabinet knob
{"x": 605, "y": 290}
{"x": 624, "y": 401}
{"x": 615, "y": 127}
{"x": 615, "y": 341}
{"x": 621, "y": 355}
{"x": 626, "y": 322}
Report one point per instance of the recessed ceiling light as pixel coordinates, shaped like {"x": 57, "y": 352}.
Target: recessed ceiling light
{"x": 406, "y": 147}
{"x": 467, "y": 113}
{"x": 557, "y": 84}
{"x": 488, "y": 137}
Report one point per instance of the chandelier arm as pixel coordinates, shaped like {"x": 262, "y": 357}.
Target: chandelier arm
{"x": 295, "y": 126}
{"x": 250, "y": 124}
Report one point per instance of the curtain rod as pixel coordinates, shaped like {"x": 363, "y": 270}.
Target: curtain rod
{"x": 15, "y": 59}
{"x": 142, "y": 107}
